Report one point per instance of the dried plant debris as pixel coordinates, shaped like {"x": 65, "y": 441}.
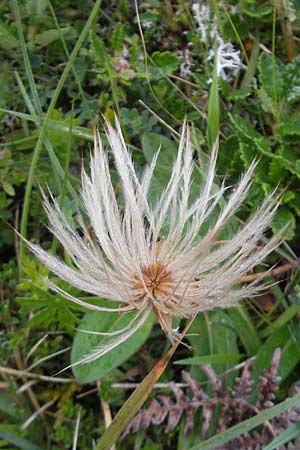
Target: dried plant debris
{"x": 234, "y": 407}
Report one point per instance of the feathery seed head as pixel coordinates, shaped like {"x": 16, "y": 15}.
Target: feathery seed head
{"x": 128, "y": 261}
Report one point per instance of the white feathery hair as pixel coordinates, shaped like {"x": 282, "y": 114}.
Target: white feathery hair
{"x": 127, "y": 260}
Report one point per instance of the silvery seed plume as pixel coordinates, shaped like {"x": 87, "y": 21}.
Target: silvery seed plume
{"x": 129, "y": 261}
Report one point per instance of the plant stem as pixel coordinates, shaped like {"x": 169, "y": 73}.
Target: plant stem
{"x": 137, "y": 398}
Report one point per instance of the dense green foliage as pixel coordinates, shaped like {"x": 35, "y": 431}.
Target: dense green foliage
{"x": 152, "y": 81}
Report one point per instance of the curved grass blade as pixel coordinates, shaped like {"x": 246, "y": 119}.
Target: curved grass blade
{"x": 285, "y": 436}
{"x": 247, "y": 425}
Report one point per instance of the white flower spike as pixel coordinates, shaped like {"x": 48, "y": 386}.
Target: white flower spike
{"x": 228, "y": 59}
{"x": 205, "y": 19}
{"x": 183, "y": 273}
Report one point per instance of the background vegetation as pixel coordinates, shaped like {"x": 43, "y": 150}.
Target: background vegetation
{"x": 64, "y": 64}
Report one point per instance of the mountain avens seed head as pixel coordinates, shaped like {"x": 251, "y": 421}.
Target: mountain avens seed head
{"x": 125, "y": 258}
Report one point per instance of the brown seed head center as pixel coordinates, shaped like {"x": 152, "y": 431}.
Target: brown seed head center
{"x": 154, "y": 281}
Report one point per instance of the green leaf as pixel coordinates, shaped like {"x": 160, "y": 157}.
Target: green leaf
{"x": 267, "y": 102}
{"x": 288, "y": 196}
{"x": 282, "y": 217}
{"x": 98, "y": 49}
{"x": 239, "y": 94}
{"x": 152, "y": 142}
{"x": 167, "y": 62}
{"x": 136, "y": 123}
{"x": 276, "y": 169}
{"x": 117, "y": 38}
{"x": 245, "y": 129}
{"x": 224, "y": 339}
{"x": 295, "y": 204}
{"x": 245, "y": 329}
{"x": 248, "y": 153}
{"x": 248, "y": 425}
{"x": 290, "y": 125}
{"x": 9, "y": 189}
{"x": 105, "y": 322}
{"x": 47, "y": 37}
{"x": 257, "y": 11}
{"x": 200, "y": 338}
{"x": 266, "y": 76}
{"x": 249, "y": 137}
{"x": 291, "y": 77}
{"x": 43, "y": 317}
{"x": 8, "y": 40}
{"x": 36, "y": 7}
{"x": 213, "y": 334}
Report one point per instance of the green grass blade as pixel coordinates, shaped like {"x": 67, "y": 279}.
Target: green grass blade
{"x": 84, "y": 100}
{"x": 247, "y": 425}
{"x": 53, "y": 102}
{"x": 213, "y": 116}
{"x": 283, "y": 319}
{"x": 81, "y": 132}
{"x": 57, "y": 169}
{"x": 251, "y": 65}
{"x": 65, "y": 180}
{"x": 28, "y": 69}
{"x": 26, "y": 97}
{"x": 285, "y": 436}
{"x": 275, "y": 97}
{"x": 17, "y": 441}
{"x": 209, "y": 359}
